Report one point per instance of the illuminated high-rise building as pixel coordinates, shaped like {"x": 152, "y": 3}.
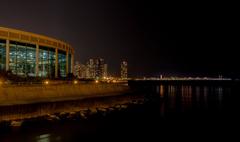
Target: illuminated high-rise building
{"x": 88, "y": 72}
{"x": 99, "y": 68}
{"x": 95, "y": 68}
{"x": 105, "y": 72}
{"x": 83, "y": 71}
{"x": 91, "y": 69}
{"x": 80, "y": 71}
{"x": 124, "y": 70}
{"x": 76, "y": 69}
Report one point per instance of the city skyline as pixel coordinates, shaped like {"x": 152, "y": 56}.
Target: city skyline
{"x": 98, "y": 68}
{"x": 155, "y": 38}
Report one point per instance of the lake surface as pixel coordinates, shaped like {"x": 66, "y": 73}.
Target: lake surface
{"x": 185, "y": 112}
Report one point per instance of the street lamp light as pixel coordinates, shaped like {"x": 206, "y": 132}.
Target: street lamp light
{"x": 46, "y": 82}
{"x": 75, "y": 82}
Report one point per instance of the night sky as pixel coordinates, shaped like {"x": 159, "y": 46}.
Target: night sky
{"x": 182, "y": 39}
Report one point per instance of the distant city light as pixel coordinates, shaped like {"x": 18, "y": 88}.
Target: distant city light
{"x": 46, "y": 82}
{"x": 96, "y": 81}
{"x": 75, "y": 82}
{"x": 181, "y": 78}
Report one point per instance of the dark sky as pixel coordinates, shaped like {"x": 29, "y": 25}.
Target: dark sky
{"x": 155, "y": 38}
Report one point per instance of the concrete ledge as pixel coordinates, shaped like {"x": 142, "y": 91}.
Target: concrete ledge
{"x": 13, "y": 95}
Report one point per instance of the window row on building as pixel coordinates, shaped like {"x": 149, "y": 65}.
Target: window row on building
{"x": 26, "y": 59}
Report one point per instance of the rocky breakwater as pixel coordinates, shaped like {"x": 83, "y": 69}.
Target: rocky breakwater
{"x": 84, "y": 109}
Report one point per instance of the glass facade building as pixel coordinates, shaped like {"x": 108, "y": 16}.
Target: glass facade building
{"x": 28, "y": 54}
{"x": 62, "y": 63}
{"x": 2, "y": 55}
{"x": 46, "y": 62}
{"x": 22, "y": 59}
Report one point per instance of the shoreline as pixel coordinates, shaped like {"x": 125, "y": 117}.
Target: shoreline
{"x": 81, "y": 108}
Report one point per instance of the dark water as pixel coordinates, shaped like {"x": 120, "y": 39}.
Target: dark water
{"x": 172, "y": 112}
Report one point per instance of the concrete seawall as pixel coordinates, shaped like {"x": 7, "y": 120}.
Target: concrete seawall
{"x": 28, "y": 94}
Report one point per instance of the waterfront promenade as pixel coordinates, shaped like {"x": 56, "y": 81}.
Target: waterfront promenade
{"x": 36, "y": 93}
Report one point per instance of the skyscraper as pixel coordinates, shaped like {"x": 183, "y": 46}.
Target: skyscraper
{"x": 83, "y": 71}
{"x": 91, "y": 68}
{"x": 76, "y": 69}
{"x": 124, "y": 73}
{"x": 96, "y": 68}
{"x": 88, "y": 72}
{"x": 80, "y": 70}
{"x": 99, "y": 67}
{"x": 105, "y": 72}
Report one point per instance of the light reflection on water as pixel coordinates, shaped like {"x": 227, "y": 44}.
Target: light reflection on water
{"x": 186, "y": 97}
{"x": 161, "y": 91}
{"x": 43, "y": 138}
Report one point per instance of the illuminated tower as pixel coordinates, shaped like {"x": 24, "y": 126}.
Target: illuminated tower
{"x": 91, "y": 69}
{"x": 77, "y": 69}
{"x": 124, "y": 73}
{"x": 105, "y": 72}
{"x": 99, "y": 68}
